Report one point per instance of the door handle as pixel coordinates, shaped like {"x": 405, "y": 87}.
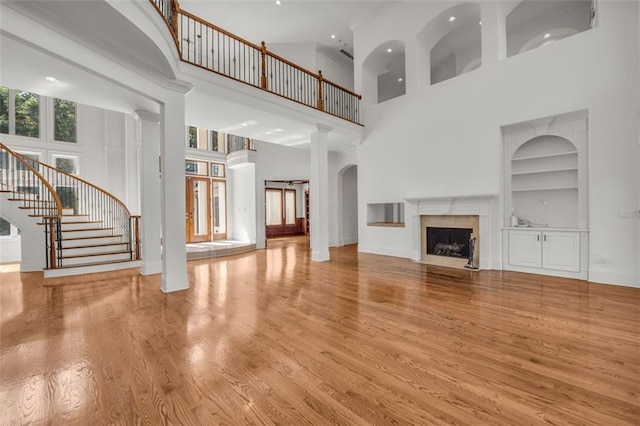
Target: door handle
{"x": 538, "y": 237}
{"x": 545, "y": 238}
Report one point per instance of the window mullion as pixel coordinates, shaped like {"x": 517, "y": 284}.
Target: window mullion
{"x": 12, "y": 111}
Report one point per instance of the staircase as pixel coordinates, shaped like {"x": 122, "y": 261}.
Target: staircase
{"x": 86, "y": 229}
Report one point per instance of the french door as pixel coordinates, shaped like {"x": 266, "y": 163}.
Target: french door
{"x": 280, "y": 212}
{"x": 198, "y": 214}
{"x": 206, "y": 209}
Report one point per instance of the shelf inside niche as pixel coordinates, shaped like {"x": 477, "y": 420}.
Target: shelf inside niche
{"x": 566, "y": 169}
{"x": 559, "y": 188}
{"x": 533, "y": 157}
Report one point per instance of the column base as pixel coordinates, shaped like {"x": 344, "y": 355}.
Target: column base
{"x": 320, "y": 256}
{"x": 173, "y": 284}
{"x": 151, "y": 268}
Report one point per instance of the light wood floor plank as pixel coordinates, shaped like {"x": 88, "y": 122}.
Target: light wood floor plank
{"x": 270, "y": 337}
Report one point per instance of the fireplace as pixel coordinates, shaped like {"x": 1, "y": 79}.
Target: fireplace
{"x": 451, "y": 242}
{"x": 462, "y": 212}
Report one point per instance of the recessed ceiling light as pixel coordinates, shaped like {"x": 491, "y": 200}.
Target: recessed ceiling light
{"x": 547, "y": 35}
{"x": 480, "y": 23}
{"x": 400, "y": 79}
{"x": 453, "y": 18}
{"x": 51, "y": 79}
{"x": 278, "y": 2}
{"x": 389, "y": 50}
{"x": 333, "y": 36}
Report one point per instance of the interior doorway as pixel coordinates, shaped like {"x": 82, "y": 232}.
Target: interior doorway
{"x": 286, "y": 208}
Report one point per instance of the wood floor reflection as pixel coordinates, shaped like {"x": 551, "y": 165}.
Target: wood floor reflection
{"x": 270, "y": 337}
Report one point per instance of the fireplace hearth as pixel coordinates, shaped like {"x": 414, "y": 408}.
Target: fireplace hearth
{"x": 451, "y": 242}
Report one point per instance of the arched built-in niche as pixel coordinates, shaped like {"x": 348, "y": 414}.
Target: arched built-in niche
{"x": 546, "y": 171}
{"x": 453, "y": 42}
{"x": 383, "y": 73}
{"x": 532, "y": 24}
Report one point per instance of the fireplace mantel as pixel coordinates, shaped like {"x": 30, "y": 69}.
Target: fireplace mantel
{"x": 477, "y": 205}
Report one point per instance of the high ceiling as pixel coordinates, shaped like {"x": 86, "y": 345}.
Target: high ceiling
{"x": 293, "y": 21}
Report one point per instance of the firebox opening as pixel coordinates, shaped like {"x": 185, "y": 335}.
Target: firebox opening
{"x": 451, "y": 242}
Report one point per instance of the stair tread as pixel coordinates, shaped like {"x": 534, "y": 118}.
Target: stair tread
{"x": 31, "y": 200}
{"x": 95, "y": 245}
{"x": 63, "y": 215}
{"x": 75, "y": 222}
{"x": 102, "y": 253}
{"x": 88, "y": 238}
{"x": 106, "y": 262}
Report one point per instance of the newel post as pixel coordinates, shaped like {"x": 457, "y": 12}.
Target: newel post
{"x": 263, "y": 58}
{"x": 320, "y": 101}
{"x": 175, "y": 9}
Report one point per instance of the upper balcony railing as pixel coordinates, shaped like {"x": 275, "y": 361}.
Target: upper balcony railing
{"x": 207, "y": 46}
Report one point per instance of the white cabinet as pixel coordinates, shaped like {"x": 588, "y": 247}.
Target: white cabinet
{"x": 545, "y": 251}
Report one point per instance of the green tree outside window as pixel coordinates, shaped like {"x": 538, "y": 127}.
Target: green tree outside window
{"x": 4, "y": 110}
{"x": 27, "y": 114}
{"x": 65, "y": 120}
{"x": 193, "y": 137}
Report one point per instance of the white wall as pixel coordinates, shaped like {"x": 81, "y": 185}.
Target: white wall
{"x": 447, "y": 141}
{"x": 349, "y": 206}
{"x": 315, "y": 58}
{"x": 241, "y": 199}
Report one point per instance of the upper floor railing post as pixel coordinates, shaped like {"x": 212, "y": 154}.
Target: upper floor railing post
{"x": 320, "y": 97}
{"x": 263, "y": 56}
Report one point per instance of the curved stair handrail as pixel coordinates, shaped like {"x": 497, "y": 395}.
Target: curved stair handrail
{"x": 87, "y": 199}
{"x": 15, "y": 178}
{"x": 18, "y": 176}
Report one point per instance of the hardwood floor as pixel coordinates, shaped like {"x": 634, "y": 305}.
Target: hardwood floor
{"x": 270, "y": 337}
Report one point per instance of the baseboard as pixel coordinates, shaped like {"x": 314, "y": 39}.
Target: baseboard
{"x": 626, "y": 279}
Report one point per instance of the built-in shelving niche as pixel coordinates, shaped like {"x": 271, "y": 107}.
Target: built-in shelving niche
{"x": 545, "y": 171}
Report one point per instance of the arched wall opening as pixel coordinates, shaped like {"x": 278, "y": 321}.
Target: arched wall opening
{"x": 383, "y": 73}
{"x": 452, "y": 42}
{"x": 532, "y": 24}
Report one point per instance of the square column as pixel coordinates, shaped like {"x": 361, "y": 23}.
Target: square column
{"x": 172, "y": 205}
{"x": 319, "y": 194}
{"x": 149, "y": 135}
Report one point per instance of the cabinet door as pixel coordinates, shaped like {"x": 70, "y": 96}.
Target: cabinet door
{"x": 561, "y": 251}
{"x": 524, "y": 248}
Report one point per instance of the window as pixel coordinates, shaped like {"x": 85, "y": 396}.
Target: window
{"x": 4, "y": 110}
{"x": 27, "y": 114}
{"x": 217, "y": 141}
{"x": 64, "y": 113}
{"x": 192, "y": 137}
{"x": 238, "y": 143}
{"x": 193, "y": 167}
{"x": 5, "y": 228}
{"x": 274, "y": 207}
{"x": 66, "y": 163}
{"x": 217, "y": 170}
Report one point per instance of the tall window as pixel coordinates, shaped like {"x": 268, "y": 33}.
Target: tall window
{"x": 64, "y": 113}
{"x": 192, "y": 137}
{"x": 4, "y": 110}
{"x": 27, "y": 114}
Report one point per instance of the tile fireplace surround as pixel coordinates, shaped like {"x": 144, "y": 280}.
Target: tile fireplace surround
{"x": 423, "y": 212}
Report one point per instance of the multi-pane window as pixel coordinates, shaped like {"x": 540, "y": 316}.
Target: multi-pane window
{"x": 192, "y": 137}
{"x": 27, "y": 114}
{"x": 66, "y": 163}
{"x": 64, "y": 113}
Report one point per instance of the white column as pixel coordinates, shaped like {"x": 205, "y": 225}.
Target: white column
{"x": 319, "y": 194}
{"x": 172, "y": 151}
{"x": 494, "y": 31}
{"x": 149, "y": 134}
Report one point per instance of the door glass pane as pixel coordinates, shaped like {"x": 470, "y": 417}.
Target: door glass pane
{"x": 200, "y": 207}
{"x": 290, "y": 207}
{"x": 219, "y": 203}
{"x": 274, "y": 207}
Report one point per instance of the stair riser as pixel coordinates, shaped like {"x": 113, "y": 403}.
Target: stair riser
{"x": 95, "y": 259}
{"x": 84, "y": 225}
{"x": 69, "y": 251}
{"x": 83, "y": 234}
{"x": 90, "y": 241}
